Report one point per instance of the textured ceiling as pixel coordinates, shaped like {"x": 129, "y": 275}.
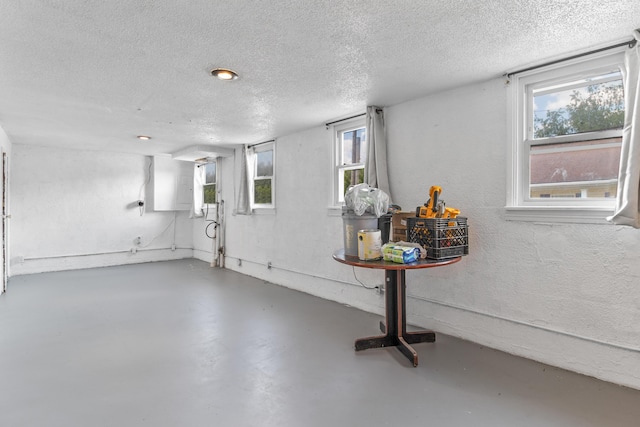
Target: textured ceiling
{"x": 93, "y": 74}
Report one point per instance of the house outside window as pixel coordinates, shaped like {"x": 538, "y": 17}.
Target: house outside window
{"x": 263, "y": 183}
{"x": 566, "y": 136}
{"x": 350, "y": 151}
{"x": 209, "y": 186}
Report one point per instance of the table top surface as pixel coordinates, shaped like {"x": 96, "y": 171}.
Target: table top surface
{"x": 388, "y": 265}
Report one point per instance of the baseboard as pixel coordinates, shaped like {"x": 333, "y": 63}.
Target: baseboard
{"x": 205, "y": 256}
{"x": 610, "y": 362}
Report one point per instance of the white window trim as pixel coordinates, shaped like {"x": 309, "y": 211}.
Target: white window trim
{"x": 204, "y": 181}
{"x": 264, "y": 207}
{"x": 336, "y": 157}
{"x": 518, "y": 208}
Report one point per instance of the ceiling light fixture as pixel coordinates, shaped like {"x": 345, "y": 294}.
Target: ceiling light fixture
{"x": 143, "y": 137}
{"x": 224, "y": 74}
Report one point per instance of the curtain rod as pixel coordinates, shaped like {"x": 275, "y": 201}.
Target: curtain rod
{"x": 349, "y": 118}
{"x": 260, "y": 143}
{"x": 630, "y": 43}
{"x": 344, "y": 120}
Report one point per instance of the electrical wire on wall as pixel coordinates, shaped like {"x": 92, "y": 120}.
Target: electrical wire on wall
{"x": 362, "y": 284}
{"x": 210, "y": 222}
{"x": 173, "y": 222}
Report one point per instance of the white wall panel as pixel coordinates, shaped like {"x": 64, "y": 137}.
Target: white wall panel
{"x": 80, "y": 207}
{"x": 171, "y": 185}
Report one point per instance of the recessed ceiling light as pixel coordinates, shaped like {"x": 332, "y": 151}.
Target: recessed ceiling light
{"x": 224, "y": 74}
{"x": 144, "y": 137}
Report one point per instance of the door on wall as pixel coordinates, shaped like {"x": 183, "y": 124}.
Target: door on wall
{"x": 3, "y": 226}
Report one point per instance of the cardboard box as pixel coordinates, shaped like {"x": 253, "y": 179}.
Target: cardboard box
{"x": 399, "y": 225}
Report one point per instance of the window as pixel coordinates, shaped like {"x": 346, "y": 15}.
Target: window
{"x": 566, "y": 138}
{"x": 350, "y": 149}
{"x": 209, "y": 187}
{"x": 263, "y": 185}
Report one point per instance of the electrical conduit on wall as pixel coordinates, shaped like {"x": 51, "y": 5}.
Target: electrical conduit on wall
{"x": 454, "y": 306}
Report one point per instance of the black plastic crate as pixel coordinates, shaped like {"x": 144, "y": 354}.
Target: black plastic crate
{"x": 441, "y": 237}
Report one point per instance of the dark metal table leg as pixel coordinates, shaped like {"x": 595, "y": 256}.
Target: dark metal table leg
{"x": 395, "y": 324}
{"x": 411, "y": 337}
{"x": 390, "y": 327}
{"x": 408, "y": 351}
{"x": 403, "y": 346}
{"x": 375, "y": 342}
{"x": 419, "y": 336}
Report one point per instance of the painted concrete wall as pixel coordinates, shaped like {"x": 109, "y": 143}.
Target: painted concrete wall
{"x": 203, "y": 234}
{"x": 299, "y": 236}
{"x": 76, "y": 209}
{"x": 5, "y": 147}
{"x": 566, "y": 295}
{"x": 5, "y": 143}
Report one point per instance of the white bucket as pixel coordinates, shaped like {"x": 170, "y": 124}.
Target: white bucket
{"x": 369, "y": 245}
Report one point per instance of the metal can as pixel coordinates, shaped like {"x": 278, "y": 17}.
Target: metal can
{"x": 369, "y": 245}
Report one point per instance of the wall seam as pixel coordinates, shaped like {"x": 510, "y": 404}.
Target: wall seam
{"x": 100, "y": 253}
{"x": 520, "y": 322}
{"x": 297, "y": 272}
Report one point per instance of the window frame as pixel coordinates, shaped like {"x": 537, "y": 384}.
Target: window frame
{"x": 519, "y": 205}
{"x": 268, "y": 146}
{"x": 205, "y": 183}
{"x": 338, "y": 167}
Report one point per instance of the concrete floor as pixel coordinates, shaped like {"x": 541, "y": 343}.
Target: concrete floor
{"x": 180, "y": 344}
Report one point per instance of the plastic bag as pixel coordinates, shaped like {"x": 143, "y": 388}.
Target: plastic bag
{"x": 362, "y": 198}
{"x": 423, "y": 251}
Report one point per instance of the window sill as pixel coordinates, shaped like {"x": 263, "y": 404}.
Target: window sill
{"x": 569, "y": 214}
{"x": 334, "y": 211}
{"x": 263, "y": 211}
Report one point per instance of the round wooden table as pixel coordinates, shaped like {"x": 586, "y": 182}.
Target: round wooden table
{"x": 395, "y": 326}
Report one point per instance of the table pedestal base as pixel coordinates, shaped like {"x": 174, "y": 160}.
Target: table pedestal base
{"x": 395, "y": 330}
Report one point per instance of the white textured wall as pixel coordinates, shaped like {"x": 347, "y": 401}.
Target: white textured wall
{"x": 300, "y": 236}
{"x": 5, "y": 144}
{"x": 563, "y": 294}
{"x": 76, "y": 209}
{"x": 566, "y": 295}
{"x": 5, "y": 147}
